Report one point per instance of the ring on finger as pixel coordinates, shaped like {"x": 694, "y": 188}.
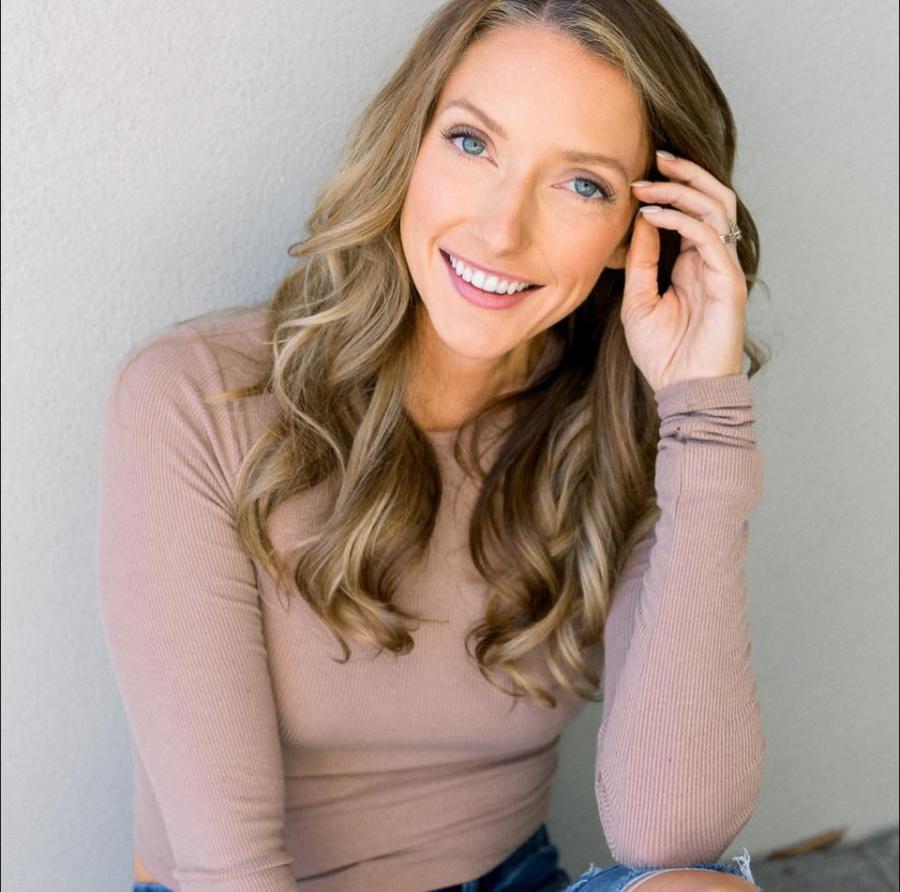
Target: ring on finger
{"x": 734, "y": 234}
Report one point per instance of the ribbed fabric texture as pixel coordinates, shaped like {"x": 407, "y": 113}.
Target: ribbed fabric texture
{"x": 262, "y": 765}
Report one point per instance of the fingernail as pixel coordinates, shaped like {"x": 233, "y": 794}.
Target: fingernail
{"x": 664, "y": 154}
{"x": 642, "y": 183}
{"x": 650, "y": 209}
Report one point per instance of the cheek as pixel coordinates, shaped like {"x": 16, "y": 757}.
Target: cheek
{"x": 579, "y": 259}
{"x": 416, "y": 216}
{"x": 432, "y": 191}
{"x": 582, "y": 255}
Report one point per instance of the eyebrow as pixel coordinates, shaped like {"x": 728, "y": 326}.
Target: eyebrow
{"x": 574, "y": 155}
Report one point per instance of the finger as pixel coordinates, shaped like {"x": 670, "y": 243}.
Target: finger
{"x": 715, "y": 253}
{"x": 691, "y": 173}
{"x": 697, "y": 204}
{"x": 641, "y": 267}
{"x": 686, "y": 198}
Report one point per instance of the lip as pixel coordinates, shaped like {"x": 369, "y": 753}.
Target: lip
{"x": 499, "y": 273}
{"x": 483, "y": 298}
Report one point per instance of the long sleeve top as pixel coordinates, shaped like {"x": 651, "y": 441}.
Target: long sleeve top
{"x": 263, "y": 765}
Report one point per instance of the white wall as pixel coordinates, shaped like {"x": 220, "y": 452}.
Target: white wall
{"x": 159, "y": 158}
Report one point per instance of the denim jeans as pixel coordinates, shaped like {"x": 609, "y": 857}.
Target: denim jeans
{"x": 534, "y": 867}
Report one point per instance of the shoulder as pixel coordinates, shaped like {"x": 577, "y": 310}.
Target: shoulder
{"x": 219, "y": 345}
{"x": 190, "y": 359}
{"x": 163, "y": 402}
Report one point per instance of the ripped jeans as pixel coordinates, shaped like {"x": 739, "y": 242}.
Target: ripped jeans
{"x": 534, "y": 867}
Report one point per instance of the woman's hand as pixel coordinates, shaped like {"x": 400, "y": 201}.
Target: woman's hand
{"x": 695, "y": 329}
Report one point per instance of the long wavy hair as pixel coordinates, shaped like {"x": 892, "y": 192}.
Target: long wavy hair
{"x": 571, "y": 487}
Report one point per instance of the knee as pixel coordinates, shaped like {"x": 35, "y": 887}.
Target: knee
{"x": 693, "y": 881}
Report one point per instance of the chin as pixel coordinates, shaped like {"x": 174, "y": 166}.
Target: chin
{"x": 473, "y": 339}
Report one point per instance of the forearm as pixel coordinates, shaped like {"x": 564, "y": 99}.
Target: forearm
{"x": 681, "y": 748}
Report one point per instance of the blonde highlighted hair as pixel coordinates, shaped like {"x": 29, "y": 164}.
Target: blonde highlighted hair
{"x": 571, "y": 488}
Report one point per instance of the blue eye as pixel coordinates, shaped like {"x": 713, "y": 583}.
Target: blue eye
{"x": 465, "y": 134}
{"x": 596, "y": 186}
{"x": 602, "y": 193}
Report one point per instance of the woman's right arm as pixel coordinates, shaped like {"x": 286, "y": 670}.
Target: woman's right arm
{"x": 179, "y": 606}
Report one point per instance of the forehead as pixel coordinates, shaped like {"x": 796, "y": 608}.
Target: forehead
{"x": 524, "y": 75}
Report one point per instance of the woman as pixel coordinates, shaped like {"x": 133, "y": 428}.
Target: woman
{"x": 497, "y": 408}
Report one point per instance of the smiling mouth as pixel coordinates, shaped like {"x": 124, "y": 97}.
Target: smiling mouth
{"x": 449, "y": 262}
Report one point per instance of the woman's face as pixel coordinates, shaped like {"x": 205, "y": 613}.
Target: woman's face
{"x": 505, "y": 196}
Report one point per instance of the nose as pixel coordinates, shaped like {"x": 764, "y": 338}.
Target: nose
{"x": 504, "y": 223}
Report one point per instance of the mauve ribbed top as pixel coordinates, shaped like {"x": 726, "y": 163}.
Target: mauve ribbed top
{"x": 262, "y": 765}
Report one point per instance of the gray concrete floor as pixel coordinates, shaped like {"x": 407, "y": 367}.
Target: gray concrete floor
{"x": 867, "y": 866}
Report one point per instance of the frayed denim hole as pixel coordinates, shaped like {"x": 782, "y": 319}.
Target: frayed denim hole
{"x": 743, "y": 861}
{"x": 584, "y": 878}
{"x": 742, "y": 869}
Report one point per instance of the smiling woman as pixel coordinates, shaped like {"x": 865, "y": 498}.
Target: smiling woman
{"x": 515, "y": 200}
{"x": 496, "y": 407}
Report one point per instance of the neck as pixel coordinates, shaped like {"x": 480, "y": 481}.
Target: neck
{"x": 446, "y": 389}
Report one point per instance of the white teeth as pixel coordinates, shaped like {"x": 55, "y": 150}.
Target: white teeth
{"x": 485, "y": 282}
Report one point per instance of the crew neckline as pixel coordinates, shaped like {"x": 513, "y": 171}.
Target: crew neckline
{"x": 442, "y": 434}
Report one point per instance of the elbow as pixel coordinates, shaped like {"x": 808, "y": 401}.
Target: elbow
{"x": 646, "y": 838}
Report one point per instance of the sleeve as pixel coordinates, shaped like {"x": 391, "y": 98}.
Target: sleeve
{"x": 680, "y": 749}
{"x": 179, "y": 607}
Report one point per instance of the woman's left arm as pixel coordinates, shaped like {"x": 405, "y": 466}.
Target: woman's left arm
{"x": 680, "y": 749}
